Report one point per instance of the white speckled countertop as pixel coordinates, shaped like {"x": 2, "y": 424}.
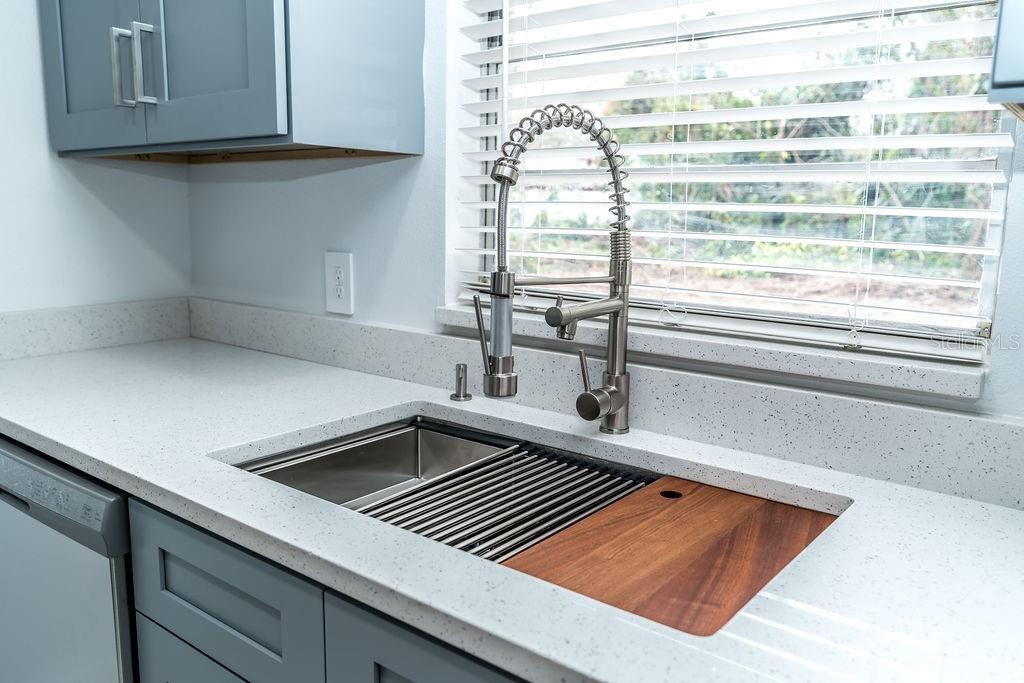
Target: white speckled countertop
{"x": 905, "y": 585}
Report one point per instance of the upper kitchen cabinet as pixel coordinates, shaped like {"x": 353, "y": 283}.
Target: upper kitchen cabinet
{"x": 209, "y": 80}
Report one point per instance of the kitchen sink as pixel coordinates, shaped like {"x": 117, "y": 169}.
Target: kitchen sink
{"x": 488, "y": 495}
{"x": 705, "y": 551}
{"x": 361, "y": 469}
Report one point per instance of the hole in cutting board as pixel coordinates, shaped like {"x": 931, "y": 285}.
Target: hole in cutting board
{"x": 671, "y": 494}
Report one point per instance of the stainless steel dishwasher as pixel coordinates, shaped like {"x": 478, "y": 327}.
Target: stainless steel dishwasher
{"x": 63, "y": 592}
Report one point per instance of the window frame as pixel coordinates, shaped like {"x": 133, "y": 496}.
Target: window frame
{"x": 877, "y": 362}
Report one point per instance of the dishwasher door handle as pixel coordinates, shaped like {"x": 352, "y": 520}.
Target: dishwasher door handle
{"x": 63, "y": 500}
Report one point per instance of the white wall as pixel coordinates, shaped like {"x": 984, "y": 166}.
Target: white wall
{"x": 77, "y": 232}
{"x": 259, "y": 231}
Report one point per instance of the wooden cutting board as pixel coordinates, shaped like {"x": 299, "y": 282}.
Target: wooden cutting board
{"x": 684, "y": 554}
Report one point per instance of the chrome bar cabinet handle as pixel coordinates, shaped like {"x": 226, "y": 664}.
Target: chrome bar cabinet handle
{"x": 140, "y": 83}
{"x": 115, "y": 60}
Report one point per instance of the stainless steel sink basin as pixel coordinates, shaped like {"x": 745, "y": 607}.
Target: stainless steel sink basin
{"x": 357, "y": 471}
{"x": 484, "y": 494}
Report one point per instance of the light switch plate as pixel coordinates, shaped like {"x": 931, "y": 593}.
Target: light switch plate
{"x": 339, "y": 282}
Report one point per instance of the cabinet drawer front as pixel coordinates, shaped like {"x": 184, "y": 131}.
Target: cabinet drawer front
{"x": 251, "y": 616}
{"x": 365, "y": 647}
{"x": 163, "y": 658}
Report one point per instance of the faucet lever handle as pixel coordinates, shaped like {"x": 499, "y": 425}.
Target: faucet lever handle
{"x": 483, "y": 337}
{"x": 585, "y": 370}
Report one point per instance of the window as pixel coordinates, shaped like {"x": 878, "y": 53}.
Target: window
{"x": 829, "y": 164}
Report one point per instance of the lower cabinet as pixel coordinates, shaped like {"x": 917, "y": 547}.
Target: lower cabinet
{"x": 255, "y": 618}
{"x": 208, "y": 611}
{"x": 366, "y": 647}
{"x": 164, "y": 658}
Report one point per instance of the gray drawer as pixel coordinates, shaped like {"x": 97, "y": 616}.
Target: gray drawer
{"x": 163, "y": 658}
{"x": 366, "y": 647}
{"x": 258, "y": 620}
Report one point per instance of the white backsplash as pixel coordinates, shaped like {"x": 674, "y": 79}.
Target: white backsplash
{"x": 61, "y": 330}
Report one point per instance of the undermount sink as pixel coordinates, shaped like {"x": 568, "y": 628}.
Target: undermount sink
{"x": 686, "y": 554}
{"x": 488, "y": 495}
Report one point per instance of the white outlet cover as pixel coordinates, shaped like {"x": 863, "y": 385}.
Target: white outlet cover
{"x": 339, "y": 282}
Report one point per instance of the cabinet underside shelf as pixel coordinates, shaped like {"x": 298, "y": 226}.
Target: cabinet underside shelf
{"x": 253, "y": 154}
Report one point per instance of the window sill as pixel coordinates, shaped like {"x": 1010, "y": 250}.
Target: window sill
{"x": 758, "y": 359}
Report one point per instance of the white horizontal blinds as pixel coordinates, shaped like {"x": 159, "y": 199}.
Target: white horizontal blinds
{"x": 826, "y": 162}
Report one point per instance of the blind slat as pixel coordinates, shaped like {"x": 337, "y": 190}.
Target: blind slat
{"x": 712, "y": 207}
{"x": 808, "y": 175}
{"x": 490, "y": 55}
{"x": 845, "y": 74}
{"x": 864, "y": 142}
{"x": 488, "y": 29}
{"x": 531, "y": 18}
{"x": 482, "y": 6}
{"x": 917, "y": 105}
{"x": 746, "y": 267}
{"x": 768, "y": 239}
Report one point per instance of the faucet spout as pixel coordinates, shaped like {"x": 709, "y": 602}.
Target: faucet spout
{"x": 559, "y": 316}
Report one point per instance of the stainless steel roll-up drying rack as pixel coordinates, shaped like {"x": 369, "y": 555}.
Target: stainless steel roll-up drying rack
{"x": 489, "y": 495}
{"x": 501, "y": 505}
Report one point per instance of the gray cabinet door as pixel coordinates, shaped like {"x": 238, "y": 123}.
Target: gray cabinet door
{"x": 256, "y": 619}
{"x": 366, "y": 647}
{"x": 79, "y": 53}
{"x": 163, "y": 658}
{"x": 217, "y": 68}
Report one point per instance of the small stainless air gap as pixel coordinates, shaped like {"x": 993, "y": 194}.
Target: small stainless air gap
{"x": 610, "y": 402}
{"x": 461, "y": 379}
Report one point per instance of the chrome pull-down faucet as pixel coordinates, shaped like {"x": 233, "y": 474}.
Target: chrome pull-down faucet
{"x": 610, "y": 402}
